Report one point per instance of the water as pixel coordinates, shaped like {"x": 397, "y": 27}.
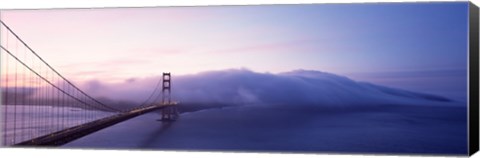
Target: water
{"x": 384, "y": 129}
{"x": 25, "y": 122}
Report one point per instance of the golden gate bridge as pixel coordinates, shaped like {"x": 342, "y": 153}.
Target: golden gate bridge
{"x": 39, "y": 106}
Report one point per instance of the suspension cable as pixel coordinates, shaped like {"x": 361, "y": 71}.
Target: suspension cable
{"x": 46, "y": 80}
{"x": 48, "y": 65}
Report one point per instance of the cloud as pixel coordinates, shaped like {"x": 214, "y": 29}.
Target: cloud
{"x": 242, "y": 86}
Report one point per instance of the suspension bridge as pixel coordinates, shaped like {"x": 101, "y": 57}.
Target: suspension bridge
{"x": 40, "y": 107}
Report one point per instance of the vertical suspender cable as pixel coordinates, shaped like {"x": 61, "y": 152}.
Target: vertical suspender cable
{"x": 47, "y": 103}
{"x": 31, "y": 107}
{"x": 63, "y": 107}
{"x": 7, "y": 96}
{"x": 23, "y": 101}
{"x": 57, "y": 101}
{"x": 15, "y": 102}
{"x": 42, "y": 107}
{"x": 50, "y": 104}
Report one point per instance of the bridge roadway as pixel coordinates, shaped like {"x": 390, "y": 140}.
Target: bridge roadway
{"x": 67, "y": 135}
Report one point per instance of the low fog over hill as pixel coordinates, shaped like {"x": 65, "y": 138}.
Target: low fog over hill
{"x": 242, "y": 86}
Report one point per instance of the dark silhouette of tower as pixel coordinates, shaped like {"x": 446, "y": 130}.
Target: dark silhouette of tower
{"x": 166, "y": 89}
{"x": 169, "y": 113}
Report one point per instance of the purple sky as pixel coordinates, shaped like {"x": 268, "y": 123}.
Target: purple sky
{"x": 367, "y": 42}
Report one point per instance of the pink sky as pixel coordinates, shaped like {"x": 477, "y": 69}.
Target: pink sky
{"x": 117, "y": 44}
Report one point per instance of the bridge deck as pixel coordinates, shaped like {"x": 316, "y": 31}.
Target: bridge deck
{"x": 73, "y": 133}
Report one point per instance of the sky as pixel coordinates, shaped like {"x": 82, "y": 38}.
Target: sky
{"x": 414, "y": 46}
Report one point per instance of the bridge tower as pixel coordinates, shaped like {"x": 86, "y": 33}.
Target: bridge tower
{"x": 169, "y": 113}
{"x": 166, "y": 88}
